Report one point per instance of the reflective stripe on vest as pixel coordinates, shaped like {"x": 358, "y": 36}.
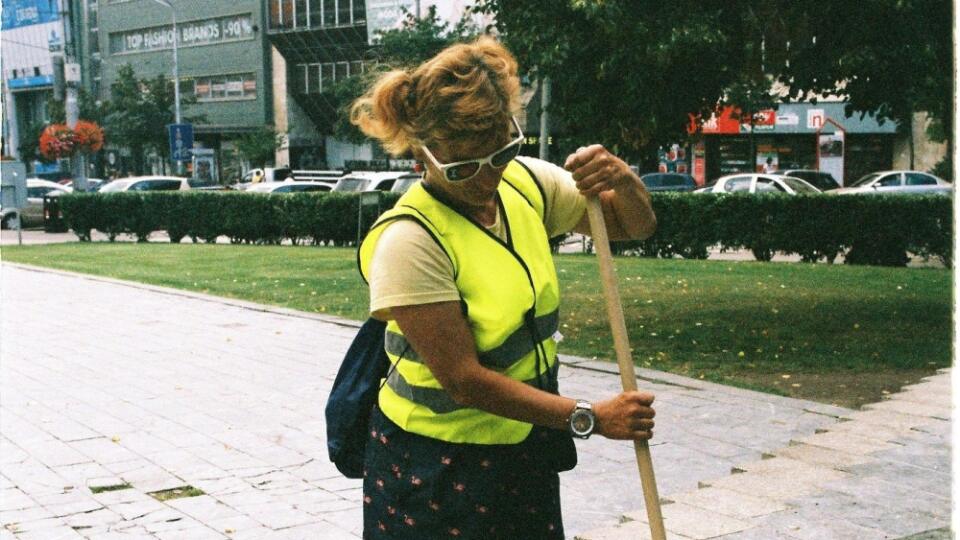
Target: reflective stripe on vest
{"x": 515, "y": 347}
{"x": 439, "y": 401}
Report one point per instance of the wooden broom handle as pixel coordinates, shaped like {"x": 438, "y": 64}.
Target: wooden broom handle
{"x": 621, "y": 344}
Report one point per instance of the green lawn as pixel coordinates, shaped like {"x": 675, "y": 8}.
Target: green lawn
{"x": 834, "y": 333}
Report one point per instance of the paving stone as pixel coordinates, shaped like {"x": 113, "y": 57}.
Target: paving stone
{"x": 694, "y": 522}
{"x": 818, "y": 455}
{"x": 940, "y": 412}
{"x": 845, "y": 442}
{"x": 729, "y": 503}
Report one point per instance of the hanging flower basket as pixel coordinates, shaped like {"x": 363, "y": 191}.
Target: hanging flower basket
{"x": 89, "y": 137}
{"x": 57, "y": 141}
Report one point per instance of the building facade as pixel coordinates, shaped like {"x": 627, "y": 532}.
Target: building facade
{"x": 794, "y": 136}
{"x": 32, "y": 34}
{"x": 224, "y": 63}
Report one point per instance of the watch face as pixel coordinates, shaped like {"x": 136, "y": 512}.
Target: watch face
{"x": 582, "y": 422}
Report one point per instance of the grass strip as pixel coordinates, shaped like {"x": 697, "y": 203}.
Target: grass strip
{"x": 833, "y": 333}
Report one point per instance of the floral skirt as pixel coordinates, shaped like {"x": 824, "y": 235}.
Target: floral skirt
{"x": 417, "y": 487}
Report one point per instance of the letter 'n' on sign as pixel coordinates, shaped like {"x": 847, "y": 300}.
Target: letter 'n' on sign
{"x": 815, "y": 118}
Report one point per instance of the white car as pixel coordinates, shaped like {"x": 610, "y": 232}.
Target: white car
{"x": 288, "y": 186}
{"x": 93, "y": 184}
{"x": 889, "y": 182}
{"x": 147, "y": 183}
{"x": 368, "y": 181}
{"x": 761, "y": 183}
{"x": 31, "y": 215}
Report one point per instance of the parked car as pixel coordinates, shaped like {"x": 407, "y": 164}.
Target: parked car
{"x": 266, "y": 174}
{"x": 31, "y": 215}
{"x": 368, "y": 181}
{"x": 761, "y": 183}
{"x": 821, "y": 180}
{"x": 907, "y": 182}
{"x": 669, "y": 182}
{"x": 147, "y": 183}
{"x": 93, "y": 184}
{"x": 288, "y": 186}
{"x": 405, "y": 182}
{"x": 327, "y": 177}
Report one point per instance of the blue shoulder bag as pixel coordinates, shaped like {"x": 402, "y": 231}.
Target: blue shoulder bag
{"x": 353, "y": 396}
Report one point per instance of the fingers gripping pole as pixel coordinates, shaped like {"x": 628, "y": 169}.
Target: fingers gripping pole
{"x": 621, "y": 345}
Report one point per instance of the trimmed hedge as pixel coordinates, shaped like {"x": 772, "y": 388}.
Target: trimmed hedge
{"x": 253, "y": 218}
{"x": 867, "y": 229}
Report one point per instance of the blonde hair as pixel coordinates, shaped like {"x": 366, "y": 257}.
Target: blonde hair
{"x": 467, "y": 90}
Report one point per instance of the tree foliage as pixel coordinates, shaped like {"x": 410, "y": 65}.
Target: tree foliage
{"x": 417, "y": 40}
{"x": 138, "y": 113}
{"x": 258, "y": 147}
{"x": 627, "y": 72}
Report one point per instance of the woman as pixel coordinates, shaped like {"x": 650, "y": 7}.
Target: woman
{"x": 470, "y": 431}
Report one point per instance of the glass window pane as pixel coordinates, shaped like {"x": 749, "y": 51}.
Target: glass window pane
{"x": 917, "y": 179}
{"x": 343, "y": 12}
{"x": 326, "y": 77}
{"x": 249, "y": 85}
{"x": 341, "y": 73}
{"x": 316, "y": 12}
{"x": 356, "y": 68}
{"x": 890, "y": 180}
{"x": 300, "y": 79}
{"x": 313, "y": 79}
{"x": 301, "y": 13}
{"x": 359, "y": 13}
{"x": 329, "y": 12}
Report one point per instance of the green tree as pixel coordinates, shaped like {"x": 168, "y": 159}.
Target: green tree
{"x": 259, "y": 147}
{"x": 627, "y": 72}
{"x": 139, "y": 111}
{"x": 417, "y": 40}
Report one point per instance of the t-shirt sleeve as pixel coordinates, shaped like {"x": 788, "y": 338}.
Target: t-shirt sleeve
{"x": 409, "y": 268}
{"x": 564, "y": 205}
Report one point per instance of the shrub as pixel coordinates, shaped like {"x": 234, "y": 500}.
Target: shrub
{"x": 869, "y": 229}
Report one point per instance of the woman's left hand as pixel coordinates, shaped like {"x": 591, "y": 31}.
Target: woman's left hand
{"x": 595, "y": 170}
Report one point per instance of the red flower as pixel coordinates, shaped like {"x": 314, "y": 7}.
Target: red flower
{"x": 89, "y": 136}
{"x": 415, "y": 480}
{"x": 409, "y": 521}
{"x": 391, "y": 510}
{"x": 434, "y": 505}
{"x": 367, "y": 499}
{"x": 445, "y": 460}
{"x": 457, "y": 486}
{"x": 454, "y": 531}
{"x": 481, "y": 509}
{"x": 57, "y": 141}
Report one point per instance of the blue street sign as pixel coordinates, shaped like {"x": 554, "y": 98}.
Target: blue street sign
{"x": 181, "y": 141}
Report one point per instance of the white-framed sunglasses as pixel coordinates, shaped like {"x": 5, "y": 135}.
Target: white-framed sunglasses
{"x": 467, "y": 169}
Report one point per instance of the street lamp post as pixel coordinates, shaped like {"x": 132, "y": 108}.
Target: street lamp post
{"x": 176, "y": 74}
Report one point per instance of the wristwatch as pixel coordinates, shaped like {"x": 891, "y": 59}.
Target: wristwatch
{"x": 582, "y": 421}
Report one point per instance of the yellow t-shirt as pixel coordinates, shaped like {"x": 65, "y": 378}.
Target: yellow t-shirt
{"x": 409, "y": 268}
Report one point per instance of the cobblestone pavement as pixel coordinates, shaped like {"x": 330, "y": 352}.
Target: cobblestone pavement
{"x": 106, "y": 384}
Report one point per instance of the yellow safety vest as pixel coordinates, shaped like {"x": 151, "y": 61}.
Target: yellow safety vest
{"x": 511, "y": 298}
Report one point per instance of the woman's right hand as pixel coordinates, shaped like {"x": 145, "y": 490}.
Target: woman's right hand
{"x": 627, "y": 416}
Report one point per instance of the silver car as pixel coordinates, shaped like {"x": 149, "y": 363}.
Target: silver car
{"x": 890, "y": 182}
{"x": 761, "y": 183}
{"x": 31, "y": 215}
